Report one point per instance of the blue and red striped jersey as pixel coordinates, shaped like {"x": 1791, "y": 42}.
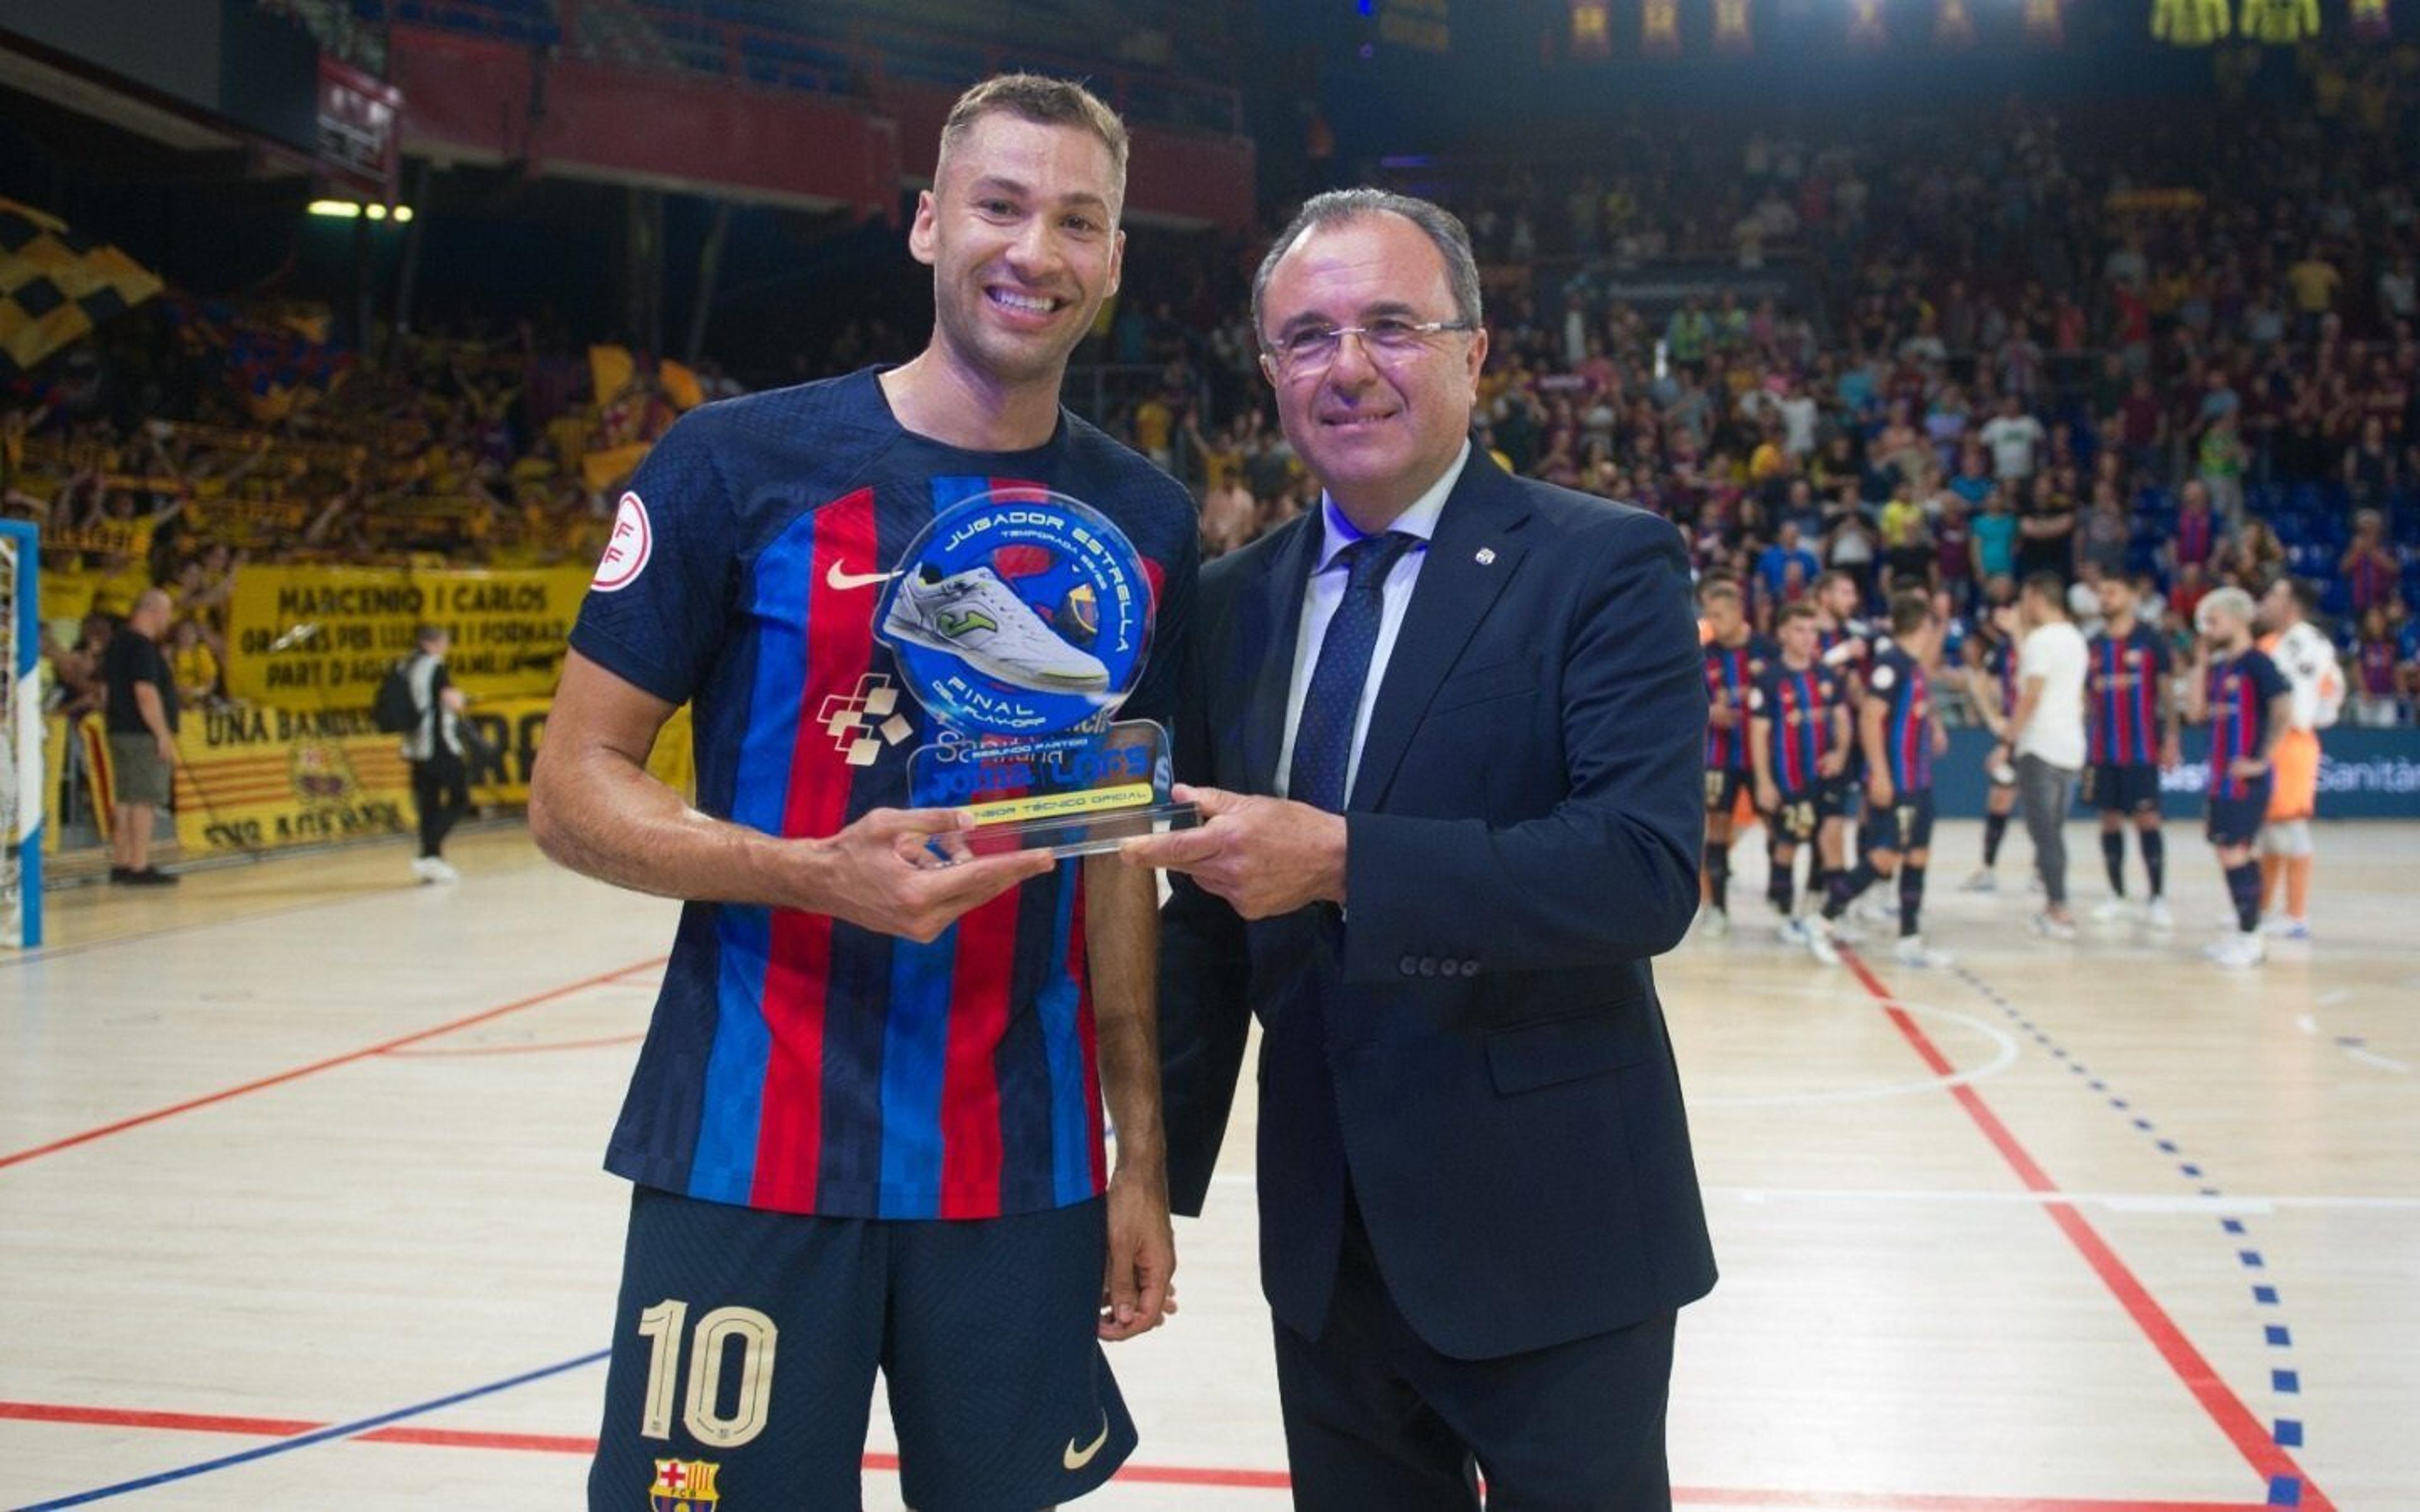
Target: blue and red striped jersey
{"x": 2121, "y": 690}
{"x": 2372, "y": 582}
{"x": 1899, "y": 680}
{"x": 2000, "y": 664}
{"x": 1799, "y": 705}
{"x": 2374, "y": 669}
{"x": 1731, "y": 672}
{"x": 2196, "y": 536}
{"x": 795, "y": 1061}
{"x": 2240, "y": 691}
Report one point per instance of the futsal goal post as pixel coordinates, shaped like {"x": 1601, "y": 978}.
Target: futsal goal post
{"x": 23, "y": 786}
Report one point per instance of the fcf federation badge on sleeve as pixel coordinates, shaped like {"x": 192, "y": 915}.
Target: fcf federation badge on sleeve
{"x": 1022, "y": 619}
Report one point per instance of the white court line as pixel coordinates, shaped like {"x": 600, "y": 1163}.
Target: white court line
{"x": 2372, "y": 1058}
{"x": 2253, "y": 1205}
{"x": 2331, "y": 999}
{"x": 2005, "y": 1057}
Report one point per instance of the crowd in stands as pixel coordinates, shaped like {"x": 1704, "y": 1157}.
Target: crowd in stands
{"x": 149, "y": 461}
{"x": 2186, "y": 350}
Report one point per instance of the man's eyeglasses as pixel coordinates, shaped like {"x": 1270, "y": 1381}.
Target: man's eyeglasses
{"x": 1310, "y": 350}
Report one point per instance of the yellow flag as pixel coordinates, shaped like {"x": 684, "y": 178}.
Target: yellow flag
{"x": 56, "y": 285}
{"x": 609, "y": 368}
{"x": 680, "y": 385}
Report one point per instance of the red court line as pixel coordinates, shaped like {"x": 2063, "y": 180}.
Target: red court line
{"x": 296, "y": 1072}
{"x": 2226, "y": 1410}
{"x": 1274, "y": 1480}
{"x": 534, "y": 1047}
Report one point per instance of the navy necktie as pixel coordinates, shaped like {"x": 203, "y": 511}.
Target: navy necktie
{"x": 1322, "y": 739}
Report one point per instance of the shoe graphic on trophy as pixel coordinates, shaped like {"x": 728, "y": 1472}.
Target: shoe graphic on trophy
{"x": 974, "y": 616}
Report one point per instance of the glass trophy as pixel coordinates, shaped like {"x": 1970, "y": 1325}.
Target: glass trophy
{"x": 1020, "y": 620}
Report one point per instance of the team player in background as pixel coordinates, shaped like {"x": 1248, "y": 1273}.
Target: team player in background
{"x": 2133, "y": 724}
{"x": 1798, "y": 738}
{"x": 1899, "y": 730}
{"x": 2310, "y": 665}
{"x": 866, "y": 1123}
{"x": 1846, "y": 643}
{"x": 1735, "y": 657}
{"x": 1991, "y": 683}
{"x": 2249, "y": 705}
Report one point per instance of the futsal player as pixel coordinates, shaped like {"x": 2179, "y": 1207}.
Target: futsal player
{"x": 1735, "y": 657}
{"x": 2310, "y": 665}
{"x": 1845, "y": 642}
{"x": 2132, "y": 720}
{"x": 1900, "y": 732}
{"x": 2250, "y": 706}
{"x": 1992, "y": 680}
{"x": 865, "y": 1124}
{"x": 1798, "y": 739}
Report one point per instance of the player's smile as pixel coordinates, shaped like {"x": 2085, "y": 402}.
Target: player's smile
{"x": 1024, "y": 310}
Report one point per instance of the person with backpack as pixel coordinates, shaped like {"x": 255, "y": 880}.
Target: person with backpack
{"x": 431, "y": 707}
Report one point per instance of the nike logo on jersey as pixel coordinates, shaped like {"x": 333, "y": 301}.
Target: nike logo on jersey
{"x": 1075, "y": 1459}
{"x": 841, "y": 581}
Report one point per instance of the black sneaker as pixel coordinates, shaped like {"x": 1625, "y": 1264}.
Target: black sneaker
{"x": 121, "y": 873}
{"x": 151, "y": 877}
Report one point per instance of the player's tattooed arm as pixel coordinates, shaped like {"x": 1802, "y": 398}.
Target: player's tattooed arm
{"x": 1122, "y": 936}
{"x": 595, "y": 809}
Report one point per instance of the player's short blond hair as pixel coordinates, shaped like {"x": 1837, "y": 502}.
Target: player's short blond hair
{"x": 1044, "y": 102}
{"x": 2230, "y": 600}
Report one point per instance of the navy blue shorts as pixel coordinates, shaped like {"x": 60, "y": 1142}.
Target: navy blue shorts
{"x": 1805, "y": 813}
{"x": 1724, "y": 784}
{"x": 982, "y": 1330}
{"x": 1905, "y": 825}
{"x": 2122, "y": 787}
{"x": 2236, "y": 821}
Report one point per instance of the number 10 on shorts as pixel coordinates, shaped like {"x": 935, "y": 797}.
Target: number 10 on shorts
{"x": 662, "y": 1327}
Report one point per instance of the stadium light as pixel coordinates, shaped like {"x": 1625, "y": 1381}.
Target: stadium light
{"x": 345, "y": 210}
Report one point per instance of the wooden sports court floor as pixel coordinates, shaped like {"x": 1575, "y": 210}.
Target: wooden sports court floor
{"x": 300, "y": 1205}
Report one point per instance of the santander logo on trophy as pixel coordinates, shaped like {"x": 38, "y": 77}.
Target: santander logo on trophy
{"x": 1021, "y": 619}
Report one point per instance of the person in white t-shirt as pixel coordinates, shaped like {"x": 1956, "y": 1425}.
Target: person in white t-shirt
{"x": 2015, "y": 439}
{"x": 2046, "y": 732}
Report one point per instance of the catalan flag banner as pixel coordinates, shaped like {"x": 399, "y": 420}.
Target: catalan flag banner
{"x": 55, "y": 285}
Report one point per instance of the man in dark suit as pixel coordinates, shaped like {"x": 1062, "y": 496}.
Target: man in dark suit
{"x": 1445, "y": 731}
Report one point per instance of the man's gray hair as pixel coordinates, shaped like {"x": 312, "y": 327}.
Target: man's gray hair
{"x": 1338, "y": 205}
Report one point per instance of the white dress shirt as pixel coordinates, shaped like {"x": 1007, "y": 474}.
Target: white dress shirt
{"x": 1327, "y": 590}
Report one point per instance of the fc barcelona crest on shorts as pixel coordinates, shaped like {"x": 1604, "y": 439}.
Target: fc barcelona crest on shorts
{"x": 684, "y": 1486}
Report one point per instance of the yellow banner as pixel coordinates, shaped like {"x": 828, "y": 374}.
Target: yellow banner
{"x": 121, "y": 537}
{"x": 321, "y": 638}
{"x": 253, "y": 778}
{"x": 54, "y": 765}
{"x": 514, "y": 728}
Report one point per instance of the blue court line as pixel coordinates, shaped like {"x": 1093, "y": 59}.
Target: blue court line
{"x": 2287, "y": 1432}
{"x": 304, "y": 1441}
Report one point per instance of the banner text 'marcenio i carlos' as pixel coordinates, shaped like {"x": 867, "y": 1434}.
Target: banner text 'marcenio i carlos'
{"x": 321, "y": 638}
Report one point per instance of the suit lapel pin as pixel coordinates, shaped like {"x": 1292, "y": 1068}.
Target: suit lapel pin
{"x": 1487, "y": 556}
